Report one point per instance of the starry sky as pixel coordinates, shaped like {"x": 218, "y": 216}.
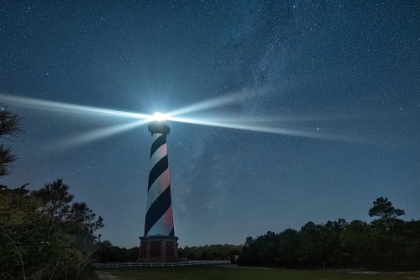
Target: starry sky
{"x": 331, "y": 90}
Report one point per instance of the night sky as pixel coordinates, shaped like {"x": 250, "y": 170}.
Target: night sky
{"x": 335, "y": 85}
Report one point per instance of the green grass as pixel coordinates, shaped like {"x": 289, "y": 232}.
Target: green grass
{"x": 211, "y": 273}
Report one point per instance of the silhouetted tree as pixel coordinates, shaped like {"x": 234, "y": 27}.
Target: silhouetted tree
{"x": 383, "y": 208}
{"x": 9, "y": 126}
{"x": 354, "y": 242}
{"x": 56, "y": 200}
{"x": 288, "y": 245}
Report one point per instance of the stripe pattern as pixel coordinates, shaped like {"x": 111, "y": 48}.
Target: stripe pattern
{"x": 159, "y": 216}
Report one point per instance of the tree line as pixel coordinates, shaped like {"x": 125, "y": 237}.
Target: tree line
{"x": 111, "y": 253}
{"x": 387, "y": 243}
{"x": 208, "y": 252}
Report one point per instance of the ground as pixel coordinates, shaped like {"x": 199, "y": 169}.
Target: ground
{"x": 214, "y": 272}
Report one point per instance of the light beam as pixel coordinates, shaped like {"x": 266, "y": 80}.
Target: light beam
{"x": 217, "y": 102}
{"x": 65, "y": 108}
{"x": 283, "y": 131}
{"x": 101, "y": 133}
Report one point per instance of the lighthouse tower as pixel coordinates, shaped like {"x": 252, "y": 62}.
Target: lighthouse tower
{"x": 159, "y": 242}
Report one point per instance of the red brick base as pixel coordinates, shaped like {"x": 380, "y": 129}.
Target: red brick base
{"x": 158, "y": 249}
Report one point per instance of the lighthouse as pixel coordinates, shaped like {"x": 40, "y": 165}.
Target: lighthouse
{"x": 159, "y": 242}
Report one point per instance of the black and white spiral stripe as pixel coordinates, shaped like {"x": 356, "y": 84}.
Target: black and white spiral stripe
{"x": 159, "y": 216}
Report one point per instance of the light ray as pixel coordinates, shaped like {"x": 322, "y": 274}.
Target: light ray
{"x": 217, "y": 102}
{"x": 100, "y": 133}
{"x": 256, "y": 119}
{"x": 65, "y": 108}
{"x": 283, "y": 131}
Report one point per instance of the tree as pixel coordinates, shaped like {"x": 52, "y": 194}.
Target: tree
{"x": 18, "y": 217}
{"x": 27, "y": 251}
{"x": 384, "y": 210}
{"x": 331, "y": 251}
{"x": 355, "y": 243}
{"x": 287, "y": 248}
{"x": 387, "y": 236}
{"x": 9, "y": 126}
{"x": 56, "y": 202}
{"x": 310, "y": 247}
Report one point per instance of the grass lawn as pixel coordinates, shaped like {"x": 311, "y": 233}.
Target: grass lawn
{"x": 214, "y": 272}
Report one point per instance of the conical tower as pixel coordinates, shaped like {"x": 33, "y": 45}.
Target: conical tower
{"x": 159, "y": 242}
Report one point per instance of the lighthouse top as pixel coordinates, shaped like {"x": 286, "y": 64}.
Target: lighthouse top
{"x": 159, "y": 127}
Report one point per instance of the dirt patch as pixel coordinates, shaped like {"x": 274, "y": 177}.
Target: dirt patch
{"x": 367, "y": 272}
{"x": 103, "y": 275}
{"x": 247, "y": 267}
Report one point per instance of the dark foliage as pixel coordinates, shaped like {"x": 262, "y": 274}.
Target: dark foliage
{"x": 110, "y": 253}
{"x": 208, "y": 252}
{"x": 383, "y": 209}
{"x": 45, "y": 235}
{"x": 9, "y": 126}
{"x": 387, "y": 243}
